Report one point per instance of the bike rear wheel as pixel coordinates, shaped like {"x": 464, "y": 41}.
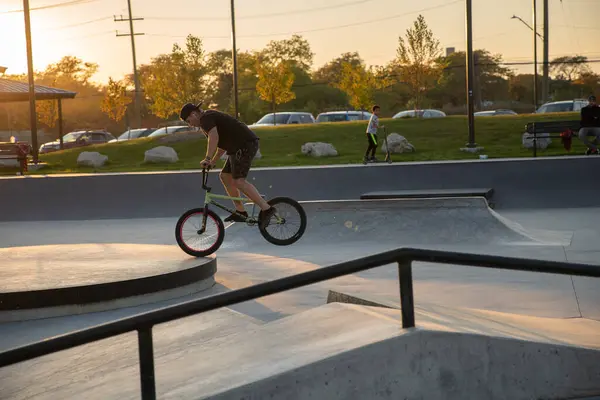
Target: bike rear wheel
{"x": 190, "y": 237}
{"x": 292, "y": 216}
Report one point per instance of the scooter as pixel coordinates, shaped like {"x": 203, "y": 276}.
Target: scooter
{"x": 388, "y": 155}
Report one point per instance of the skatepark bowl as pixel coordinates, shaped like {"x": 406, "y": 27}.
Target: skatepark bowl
{"x": 450, "y": 280}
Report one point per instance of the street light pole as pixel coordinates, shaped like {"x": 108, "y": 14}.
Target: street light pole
{"x": 234, "y": 56}
{"x": 535, "y": 72}
{"x": 469, "y": 77}
{"x": 545, "y": 80}
{"x": 32, "y": 112}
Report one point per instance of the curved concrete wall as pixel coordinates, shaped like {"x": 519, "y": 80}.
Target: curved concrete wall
{"x": 518, "y": 183}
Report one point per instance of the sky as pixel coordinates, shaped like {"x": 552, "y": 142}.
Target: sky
{"x": 86, "y": 29}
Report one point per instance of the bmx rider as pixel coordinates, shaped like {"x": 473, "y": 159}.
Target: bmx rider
{"x": 227, "y": 134}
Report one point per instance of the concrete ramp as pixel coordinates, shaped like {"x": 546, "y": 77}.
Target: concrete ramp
{"x": 404, "y": 222}
{"x": 335, "y": 351}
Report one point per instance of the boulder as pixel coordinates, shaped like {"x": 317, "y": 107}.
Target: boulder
{"x": 398, "y": 144}
{"x": 319, "y": 149}
{"x": 91, "y": 159}
{"x": 161, "y": 154}
{"x": 542, "y": 141}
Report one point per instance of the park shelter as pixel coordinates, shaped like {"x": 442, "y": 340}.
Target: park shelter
{"x": 12, "y": 91}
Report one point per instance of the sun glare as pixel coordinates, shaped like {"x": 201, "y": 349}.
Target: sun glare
{"x": 13, "y": 50}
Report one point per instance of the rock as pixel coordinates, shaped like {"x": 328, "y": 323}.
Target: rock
{"x": 91, "y": 159}
{"x": 161, "y": 154}
{"x": 542, "y": 141}
{"x": 398, "y": 144}
{"x": 318, "y": 149}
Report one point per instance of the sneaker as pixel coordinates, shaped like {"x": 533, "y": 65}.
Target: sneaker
{"x": 237, "y": 218}
{"x": 264, "y": 217}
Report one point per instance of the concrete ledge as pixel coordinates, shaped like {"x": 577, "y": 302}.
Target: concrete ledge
{"x": 56, "y": 280}
{"x": 429, "y": 193}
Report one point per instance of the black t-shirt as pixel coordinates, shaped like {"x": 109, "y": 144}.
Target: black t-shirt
{"x": 590, "y": 116}
{"x": 233, "y": 134}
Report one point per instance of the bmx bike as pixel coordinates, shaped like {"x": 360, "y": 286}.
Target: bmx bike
{"x": 209, "y": 227}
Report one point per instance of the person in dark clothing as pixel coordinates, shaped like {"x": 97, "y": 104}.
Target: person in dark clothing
{"x": 590, "y": 125}
{"x": 227, "y": 134}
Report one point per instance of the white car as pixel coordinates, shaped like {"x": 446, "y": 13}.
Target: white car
{"x": 284, "y": 118}
{"x": 428, "y": 113}
{"x": 341, "y": 116}
{"x": 562, "y": 106}
{"x": 169, "y": 130}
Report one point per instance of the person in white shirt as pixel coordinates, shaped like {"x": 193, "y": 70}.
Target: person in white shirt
{"x": 372, "y": 134}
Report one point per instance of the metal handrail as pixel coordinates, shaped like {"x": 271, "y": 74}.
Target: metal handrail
{"x": 144, "y": 322}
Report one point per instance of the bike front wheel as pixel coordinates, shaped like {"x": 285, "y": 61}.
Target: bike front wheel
{"x": 196, "y": 241}
{"x": 287, "y": 225}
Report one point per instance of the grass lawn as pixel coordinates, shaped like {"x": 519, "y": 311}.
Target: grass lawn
{"x": 433, "y": 139}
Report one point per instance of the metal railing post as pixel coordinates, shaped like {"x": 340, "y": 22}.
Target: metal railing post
{"x": 146, "y": 354}
{"x": 407, "y": 302}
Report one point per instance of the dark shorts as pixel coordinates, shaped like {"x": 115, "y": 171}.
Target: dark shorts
{"x": 238, "y": 164}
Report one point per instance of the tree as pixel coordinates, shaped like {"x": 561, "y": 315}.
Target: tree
{"x": 491, "y": 78}
{"x": 275, "y": 83}
{"x": 296, "y": 51}
{"x": 331, "y": 72}
{"x": 47, "y": 111}
{"x": 416, "y": 59}
{"x": 569, "y": 68}
{"x": 171, "y": 80}
{"x": 115, "y": 101}
{"x": 359, "y": 84}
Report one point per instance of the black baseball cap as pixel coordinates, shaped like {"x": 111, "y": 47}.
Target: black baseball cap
{"x": 592, "y": 98}
{"x": 187, "y": 109}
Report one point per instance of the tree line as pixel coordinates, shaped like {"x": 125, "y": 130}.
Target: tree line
{"x": 282, "y": 77}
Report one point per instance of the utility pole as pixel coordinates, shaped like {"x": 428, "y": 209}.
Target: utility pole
{"x": 32, "y": 112}
{"x": 137, "y": 102}
{"x": 469, "y": 55}
{"x": 546, "y": 81}
{"x": 234, "y": 56}
{"x": 535, "y": 67}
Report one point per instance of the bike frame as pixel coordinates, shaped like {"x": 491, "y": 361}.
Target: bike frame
{"x": 209, "y": 198}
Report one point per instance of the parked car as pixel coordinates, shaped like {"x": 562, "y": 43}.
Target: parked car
{"x": 427, "y": 113}
{"x": 169, "y": 130}
{"x": 340, "y": 116}
{"x": 133, "y": 134}
{"x": 78, "y": 139}
{"x": 491, "y": 113}
{"x": 284, "y": 118}
{"x": 562, "y": 106}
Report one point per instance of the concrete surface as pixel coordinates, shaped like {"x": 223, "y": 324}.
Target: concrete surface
{"x": 530, "y": 183}
{"x": 356, "y": 352}
{"x": 545, "y": 209}
{"x": 48, "y": 281}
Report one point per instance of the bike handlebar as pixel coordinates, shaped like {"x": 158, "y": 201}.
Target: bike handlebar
{"x": 205, "y": 178}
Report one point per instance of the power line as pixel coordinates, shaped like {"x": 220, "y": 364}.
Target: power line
{"x": 258, "y": 16}
{"x": 325, "y": 28}
{"x": 50, "y": 6}
{"x": 79, "y": 24}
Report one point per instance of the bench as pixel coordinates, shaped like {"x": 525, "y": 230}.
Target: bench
{"x": 561, "y": 130}
{"x": 430, "y": 194}
{"x": 16, "y": 151}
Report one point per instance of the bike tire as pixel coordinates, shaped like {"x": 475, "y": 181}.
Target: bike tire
{"x": 296, "y": 236}
{"x": 200, "y": 212}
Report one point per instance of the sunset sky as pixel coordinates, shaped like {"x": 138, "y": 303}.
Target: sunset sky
{"x": 86, "y": 29}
